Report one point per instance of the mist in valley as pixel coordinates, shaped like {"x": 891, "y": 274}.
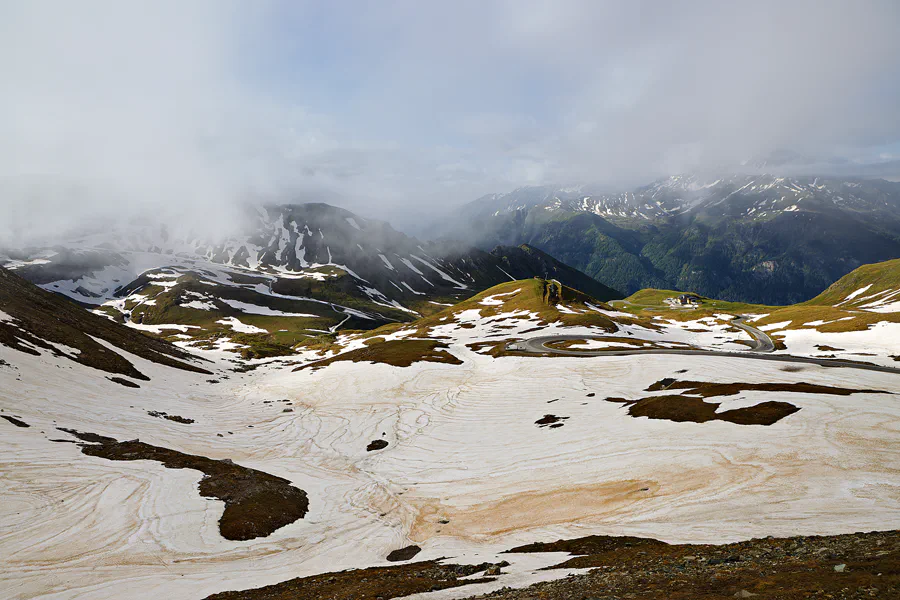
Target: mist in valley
{"x": 186, "y": 114}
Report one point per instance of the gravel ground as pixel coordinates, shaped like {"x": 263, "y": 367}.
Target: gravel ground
{"x": 861, "y": 565}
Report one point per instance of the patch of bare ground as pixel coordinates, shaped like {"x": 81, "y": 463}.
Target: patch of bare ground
{"x": 15, "y": 421}
{"x": 709, "y": 390}
{"x": 495, "y": 347}
{"x": 854, "y": 566}
{"x": 403, "y": 554}
{"x": 498, "y": 348}
{"x": 681, "y": 409}
{"x": 256, "y": 503}
{"x": 825, "y": 348}
{"x": 550, "y": 420}
{"x": 369, "y": 584}
{"x": 376, "y": 445}
{"x": 399, "y": 353}
{"x": 124, "y": 382}
{"x": 592, "y": 544}
{"x": 690, "y": 405}
{"x": 168, "y": 417}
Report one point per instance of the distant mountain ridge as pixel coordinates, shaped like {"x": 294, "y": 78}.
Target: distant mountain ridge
{"x": 755, "y": 238}
{"x": 757, "y": 197}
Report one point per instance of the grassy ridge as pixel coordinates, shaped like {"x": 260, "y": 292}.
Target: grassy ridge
{"x": 821, "y": 310}
{"x": 881, "y": 276}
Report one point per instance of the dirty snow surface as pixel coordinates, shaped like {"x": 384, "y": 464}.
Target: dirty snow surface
{"x": 466, "y": 473}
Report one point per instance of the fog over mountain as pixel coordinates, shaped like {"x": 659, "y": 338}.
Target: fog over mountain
{"x": 403, "y": 110}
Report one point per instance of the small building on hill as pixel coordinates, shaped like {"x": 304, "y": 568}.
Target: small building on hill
{"x": 689, "y": 300}
{"x": 684, "y": 300}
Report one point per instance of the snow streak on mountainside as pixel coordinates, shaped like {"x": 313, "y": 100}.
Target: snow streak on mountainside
{"x": 756, "y": 196}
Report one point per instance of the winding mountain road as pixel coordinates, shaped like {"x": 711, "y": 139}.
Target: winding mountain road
{"x": 538, "y": 345}
{"x": 763, "y": 342}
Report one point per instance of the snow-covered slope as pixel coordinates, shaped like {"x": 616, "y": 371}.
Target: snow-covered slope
{"x": 476, "y": 455}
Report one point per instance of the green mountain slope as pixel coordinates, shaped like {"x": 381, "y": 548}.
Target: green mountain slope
{"x": 33, "y": 320}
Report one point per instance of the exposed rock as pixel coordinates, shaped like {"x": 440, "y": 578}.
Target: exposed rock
{"x": 376, "y": 445}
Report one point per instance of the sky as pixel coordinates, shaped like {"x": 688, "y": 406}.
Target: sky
{"x": 403, "y": 110}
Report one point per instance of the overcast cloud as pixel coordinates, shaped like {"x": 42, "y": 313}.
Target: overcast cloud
{"x": 400, "y": 110}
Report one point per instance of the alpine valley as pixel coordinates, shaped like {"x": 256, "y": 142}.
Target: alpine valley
{"x": 324, "y": 408}
{"x": 279, "y": 321}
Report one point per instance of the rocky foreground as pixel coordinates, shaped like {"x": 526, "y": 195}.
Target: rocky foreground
{"x": 860, "y": 565}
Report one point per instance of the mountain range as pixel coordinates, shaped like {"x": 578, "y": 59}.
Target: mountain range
{"x": 298, "y": 271}
{"x": 754, "y": 238}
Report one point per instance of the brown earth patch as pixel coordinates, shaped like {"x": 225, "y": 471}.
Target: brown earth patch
{"x": 168, "y": 417}
{"x": 256, "y": 503}
{"x": 661, "y": 384}
{"x": 15, "y": 421}
{"x": 681, "y": 409}
{"x": 825, "y": 348}
{"x": 619, "y": 400}
{"x": 690, "y": 405}
{"x": 552, "y": 420}
{"x": 398, "y": 353}
{"x": 369, "y": 584}
{"x": 497, "y": 347}
{"x": 853, "y": 566}
{"x": 123, "y": 381}
{"x": 592, "y": 544}
{"x": 533, "y": 329}
{"x": 500, "y": 348}
{"x": 710, "y": 390}
{"x": 402, "y": 554}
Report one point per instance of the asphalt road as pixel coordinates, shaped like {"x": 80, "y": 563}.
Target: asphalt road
{"x": 539, "y": 345}
{"x": 763, "y": 342}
